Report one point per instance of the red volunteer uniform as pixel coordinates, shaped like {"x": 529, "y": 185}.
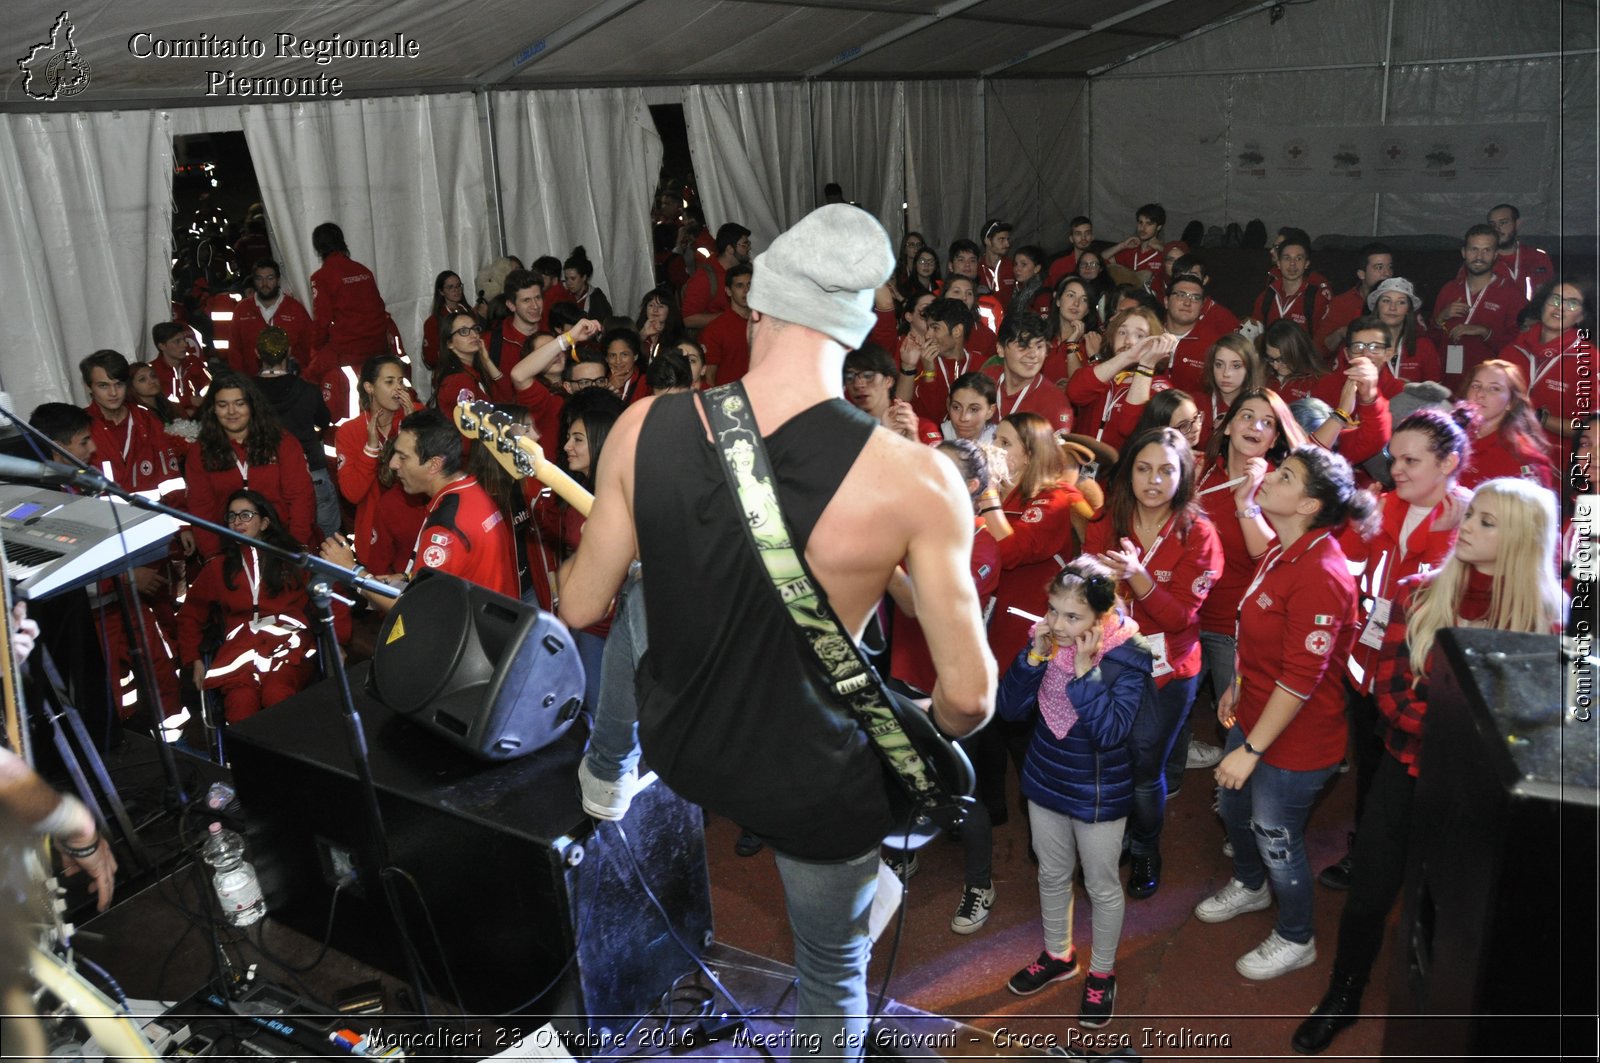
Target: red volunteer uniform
{"x": 705, "y": 292}
{"x": 1526, "y": 268}
{"x": 1329, "y": 387}
{"x": 286, "y": 483}
{"x": 1065, "y": 266}
{"x": 1495, "y": 307}
{"x": 885, "y": 331}
{"x": 983, "y": 342}
{"x": 1040, "y": 544}
{"x": 1381, "y": 563}
{"x": 397, "y": 520}
{"x": 544, "y": 407}
{"x": 1342, "y": 309}
{"x": 1554, "y": 371}
{"x": 1220, "y": 318}
{"x": 1416, "y": 361}
{"x": 1296, "y": 624}
{"x": 464, "y": 386}
{"x": 1038, "y": 396}
{"x": 556, "y": 293}
{"x": 727, "y": 343}
{"x": 511, "y": 342}
{"x": 349, "y": 320}
{"x": 1183, "y": 570}
{"x": 250, "y": 318}
{"x": 1140, "y": 258}
{"x": 1001, "y": 279}
{"x": 1219, "y": 612}
{"x": 1107, "y": 414}
{"x": 932, "y": 397}
{"x": 909, "y": 659}
{"x": 465, "y": 534}
{"x": 358, "y": 478}
{"x": 1305, "y": 307}
{"x": 1188, "y": 371}
{"x": 184, "y": 384}
{"x": 1491, "y": 458}
{"x": 136, "y": 454}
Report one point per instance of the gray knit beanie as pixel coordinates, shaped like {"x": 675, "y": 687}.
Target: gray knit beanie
{"x": 822, "y": 272}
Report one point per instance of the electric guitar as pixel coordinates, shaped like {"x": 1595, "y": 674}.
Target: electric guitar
{"x": 518, "y": 453}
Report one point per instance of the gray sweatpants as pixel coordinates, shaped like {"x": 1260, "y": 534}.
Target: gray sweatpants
{"x": 1061, "y": 843}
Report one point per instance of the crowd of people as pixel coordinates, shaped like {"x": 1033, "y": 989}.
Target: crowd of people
{"x": 1172, "y": 505}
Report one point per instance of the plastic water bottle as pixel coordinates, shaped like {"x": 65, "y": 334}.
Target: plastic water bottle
{"x": 238, "y": 889}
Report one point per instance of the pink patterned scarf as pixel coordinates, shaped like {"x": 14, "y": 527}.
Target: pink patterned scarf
{"x": 1054, "y": 704}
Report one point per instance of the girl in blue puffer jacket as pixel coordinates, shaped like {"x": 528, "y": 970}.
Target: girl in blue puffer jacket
{"x": 1083, "y": 676}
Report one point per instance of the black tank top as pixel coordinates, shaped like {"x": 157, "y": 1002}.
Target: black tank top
{"x": 733, "y": 713}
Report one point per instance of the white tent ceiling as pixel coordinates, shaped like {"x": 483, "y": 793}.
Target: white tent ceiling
{"x": 468, "y": 44}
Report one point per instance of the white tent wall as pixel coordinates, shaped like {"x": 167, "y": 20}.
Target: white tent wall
{"x": 945, "y": 160}
{"x": 1037, "y": 147}
{"x": 859, "y": 140}
{"x": 751, "y": 146}
{"x": 403, "y": 176}
{"x": 85, "y": 217}
{"x": 579, "y": 167}
{"x": 1323, "y": 64}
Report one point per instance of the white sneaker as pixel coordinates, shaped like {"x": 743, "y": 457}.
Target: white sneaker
{"x": 1233, "y": 899}
{"x": 1202, "y": 755}
{"x": 1276, "y": 956}
{"x": 606, "y": 800}
{"x": 973, "y": 911}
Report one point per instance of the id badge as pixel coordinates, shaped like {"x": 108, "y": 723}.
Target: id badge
{"x": 1455, "y": 359}
{"x": 1377, "y": 623}
{"x": 1160, "y": 666}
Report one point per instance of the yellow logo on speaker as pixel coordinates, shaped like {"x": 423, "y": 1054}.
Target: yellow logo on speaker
{"x": 397, "y": 632}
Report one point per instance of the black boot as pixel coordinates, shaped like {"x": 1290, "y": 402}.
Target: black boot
{"x": 1337, "y": 876}
{"x": 1145, "y": 878}
{"x": 1337, "y": 1010}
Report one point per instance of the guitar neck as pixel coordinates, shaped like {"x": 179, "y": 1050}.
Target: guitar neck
{"x": 569, "y": 490}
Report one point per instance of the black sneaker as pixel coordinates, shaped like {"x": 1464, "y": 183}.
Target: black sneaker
{"x": 1046, "y": 970}
{"x": 1099, "y": 994}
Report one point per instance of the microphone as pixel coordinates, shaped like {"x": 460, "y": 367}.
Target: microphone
{"x": 50, "y": 472}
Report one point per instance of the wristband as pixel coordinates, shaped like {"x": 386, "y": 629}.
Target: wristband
{"x": 930, "y": 375}
{"x": 990, "y": 509}
{"x": 1035, "y": 659}
{"x": 908, "y": 372}
{"x": 1144, "y": 371}
{"x": 369, "y": 451}
{"x": 1250, "y": 749}
{"x": 82, "y": 853}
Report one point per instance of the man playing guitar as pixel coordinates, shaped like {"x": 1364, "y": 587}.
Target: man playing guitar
{"x": 756, "y": 734}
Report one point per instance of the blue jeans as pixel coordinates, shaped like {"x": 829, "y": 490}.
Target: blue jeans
{"x": 828, "y": 908}
{"x": 1150, "y": 742}
{"x": 329, "y": 516}
{"x": 1266, "y": 822}
{"x": 614, "y": 741}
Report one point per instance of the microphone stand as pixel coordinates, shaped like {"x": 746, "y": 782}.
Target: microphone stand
{"x": 321, "y": 576}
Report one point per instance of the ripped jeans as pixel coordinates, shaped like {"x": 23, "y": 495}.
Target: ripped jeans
{"x": 1266, "y": 822}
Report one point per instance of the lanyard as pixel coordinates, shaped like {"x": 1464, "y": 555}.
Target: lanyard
{"x": 1144, "y": 562}
{"x": 1029, "y": 386}
{"x": 1283, "y": 311}
{"x": 244, "y": 469}
{"x": 1216, "y": 414}
{"x": 992, "y": 275}
{"x": 1119, "y": 391}
{"x": 1138, "y": 263}
{"x": 1537, "y": 372}
{"x": 1267, "y": 564}
{"x": 127, "y": 440}
{"x": 944, "y": 371}
{"x": 1399, "y": 356}
{"x": 1472, "y": 304}
{"x": 252, "y": 576}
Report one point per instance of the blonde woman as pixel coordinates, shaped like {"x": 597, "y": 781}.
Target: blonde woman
{"x": 1502, "y": 575}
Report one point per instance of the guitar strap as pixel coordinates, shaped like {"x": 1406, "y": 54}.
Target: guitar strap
{"x": 854, "y": 684}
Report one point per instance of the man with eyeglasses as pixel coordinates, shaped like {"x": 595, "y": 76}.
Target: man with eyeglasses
{"x": 869, "y": 379}
{"x": 267, "y": 305}
{"x": 1476, "y": 313}
{"x": 589, "y": 371}
{"x": 1186, "y": 295}
{"x": 1365, "y": 355}
{"x": 1377, "y": 266}
{"x": 1294, "y": 294}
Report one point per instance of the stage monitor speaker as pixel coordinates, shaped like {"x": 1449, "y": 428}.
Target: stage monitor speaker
{"x": 488, "y": 674}
{"x": 504, "y": 873}
{"x": 1497, "y": 938}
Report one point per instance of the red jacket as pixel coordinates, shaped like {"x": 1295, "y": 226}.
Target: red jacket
{"x": 1001, "y": 278}
{"x": 349, "y": 320}
{"x": 249, "y": 321}
{"x": 1039, "y": 396}
{"x": 1492, "y": 458}
{"x": 1496, "y": 307}
{"x": 1138, "y": 258}
{"x": 1188, "y": 372}
{"x": 932, "y": 397}
{"x": 1306, "y": 308}
{"x": 1526, "y": 268}
{"x": 1183, "y": 570}
{"x": 137, "y": 454}
{"x": 1219, "y": 612}
{"x": 705, "y": 292}
{"x": 358, "y": 478}
{"x": 210, "y": 588}
{"x": 1555, "y": 371}
{"x": 286, "y": 483}
{"x": 185, "y": 384}
{"x": 465, "y": 534}
{"x": 1107, "y": 414}
{"x": 1296, "y": 623}
{"x": 1342, "y": 309}
{"x": 1041, "y": 542}
{"x": 397, "y": 520}
{"x": 1381, "y": 565}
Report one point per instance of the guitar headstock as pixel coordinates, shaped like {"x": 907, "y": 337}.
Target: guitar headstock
{"x": 501, "y": 436}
